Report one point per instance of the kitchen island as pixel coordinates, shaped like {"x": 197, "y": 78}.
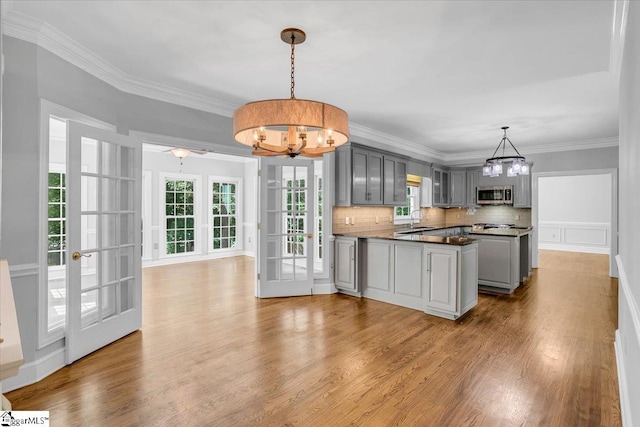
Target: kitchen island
{"x": 434, "y": 274}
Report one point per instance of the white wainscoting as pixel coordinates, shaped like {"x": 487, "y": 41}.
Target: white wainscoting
{"x": 592, "y": 237}
{"x": 627, "y": 347}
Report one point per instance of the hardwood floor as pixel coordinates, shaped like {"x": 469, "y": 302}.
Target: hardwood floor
{"x": 211, "y": 354}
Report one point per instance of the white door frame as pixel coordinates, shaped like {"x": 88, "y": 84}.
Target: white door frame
{"x": 613, "y": 242}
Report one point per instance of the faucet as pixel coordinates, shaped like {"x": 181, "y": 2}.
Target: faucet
{"x": 411, "y": 217}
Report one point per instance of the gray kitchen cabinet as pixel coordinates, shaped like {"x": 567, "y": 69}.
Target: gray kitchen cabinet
{"x": 457, "y": 187}
{"x": 369, "y": 177}
{"x": 366, "y": 185}
{"x": 441, "y": 266}
{"x": 522, "y": 191}
{"x": 503, "y": 261}
{"x": 346, "y": 263}
{"x": 441, "y": 280}
{"x": 395, "y": 181}
{"x": 440, "y": 177}
{"x": 343, "y": 176}
{"x": 473, "y": 180}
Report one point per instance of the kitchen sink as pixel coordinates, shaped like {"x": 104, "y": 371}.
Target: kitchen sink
{"x": 415, "y": 230}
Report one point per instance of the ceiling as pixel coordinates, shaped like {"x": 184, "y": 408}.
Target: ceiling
{"x": 442, "y": 76}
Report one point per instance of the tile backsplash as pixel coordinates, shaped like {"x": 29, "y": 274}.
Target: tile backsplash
{"x": 363, "y": 218}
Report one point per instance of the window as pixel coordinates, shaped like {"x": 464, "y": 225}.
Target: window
{"x": 403, "y": 213}
{"x": 56, "y": 230}
{"x": 295, "y": 225}
{"x": 179, "y": 216}
{"x": 224, "y": 209}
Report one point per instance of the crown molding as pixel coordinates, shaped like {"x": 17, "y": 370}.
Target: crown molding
{"x": 393, "y": 142}
{"x": 18, "y": 25}
{"x": 542, "y": 148}
{"x": 618, "y": 31}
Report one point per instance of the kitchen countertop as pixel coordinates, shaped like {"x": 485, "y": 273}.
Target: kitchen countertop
{"x": 405, "y": 234}
{"x": 416, "y": 237}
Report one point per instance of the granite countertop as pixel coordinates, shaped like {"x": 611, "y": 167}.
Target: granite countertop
{"x": 416, "y": 237}
{"x": 405, "y": 234}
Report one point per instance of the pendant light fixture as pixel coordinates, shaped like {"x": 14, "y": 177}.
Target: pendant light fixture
{"x": 516, "y": 163}
{"x": 290, "y": 127}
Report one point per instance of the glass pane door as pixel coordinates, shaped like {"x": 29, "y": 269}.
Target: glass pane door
{"x": 286, "y": 235}
{"x": 104, "y": 239}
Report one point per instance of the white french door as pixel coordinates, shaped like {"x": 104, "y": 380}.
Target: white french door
{"x": 285, "y": 246}
{"x": 103, "y": 246}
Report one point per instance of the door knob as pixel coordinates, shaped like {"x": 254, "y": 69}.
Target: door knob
{"x": 76, "y": 256}
{"x": 309, "y": 236}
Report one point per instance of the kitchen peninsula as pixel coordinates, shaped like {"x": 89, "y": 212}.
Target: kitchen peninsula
{"x": 435, "y": 274}
{"x": 435, "y": 269}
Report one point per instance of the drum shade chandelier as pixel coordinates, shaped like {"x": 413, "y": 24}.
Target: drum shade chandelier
{"x": 493, "y": 166}
{"x": 290, "y": 127}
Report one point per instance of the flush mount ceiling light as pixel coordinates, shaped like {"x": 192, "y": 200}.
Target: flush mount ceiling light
{"x": 516, "y": 163}
{"x": 180, "y": 153}
{"x": 290, "y": 127}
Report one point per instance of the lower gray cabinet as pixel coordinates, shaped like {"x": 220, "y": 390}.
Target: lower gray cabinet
{"x": 438, "y": 279}
{"x": 346, "y": 265}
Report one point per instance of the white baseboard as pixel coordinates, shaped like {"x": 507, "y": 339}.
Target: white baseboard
{"x": 625, "y": 409}
{"x": 324, "y": 289}
{"x": 627, "y": 344}
{"x": 194, "y": 258}
{"x": 573, "y": 248}
{"x": 35, "y": 371}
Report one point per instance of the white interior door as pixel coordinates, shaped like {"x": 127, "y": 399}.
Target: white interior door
{"x": 285, "y": 247}
{"x": 103, "y": 247}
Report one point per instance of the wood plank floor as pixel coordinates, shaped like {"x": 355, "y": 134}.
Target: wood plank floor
{"x": 211, "y": 354}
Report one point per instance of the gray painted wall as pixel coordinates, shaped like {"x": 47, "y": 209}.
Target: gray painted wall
{"x": 32, "y": 73}
{"x": 628, "y": 336}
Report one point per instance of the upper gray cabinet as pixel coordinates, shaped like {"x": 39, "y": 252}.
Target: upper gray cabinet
{"x": 457, "y": 187}
{"x": 440, "y": 177}
{"x": 473, "y": 180}
{"x": 369, "y": 177}
{"x": 395, "y": 181}
{"x": 522, "y": 191}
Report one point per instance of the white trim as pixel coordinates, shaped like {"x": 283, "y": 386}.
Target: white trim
{"x": 613, "y": 241}
{"x": 324, "y": 289}
{"x": 24, "y": 270}
{"x": 47, "y": 109}
{"x": 623, "y": 389}
{"x": 588, "y": 144}
{"x": 147, "y": 214}
{"x": 35, "y": 371}
{"x": 179, "y": 258}
{"x": 21, "y": 26}
{"x": 618, "y": 31}
{"x": 392, "y": 142}
{"x": 634, "y": 309}
{"x": 625, "y": 293}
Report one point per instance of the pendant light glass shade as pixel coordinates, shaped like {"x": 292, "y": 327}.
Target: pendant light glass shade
{"x": 516, "y": 164}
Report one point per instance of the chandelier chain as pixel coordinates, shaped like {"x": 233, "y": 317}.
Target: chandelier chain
{"x": 293, "y": 67}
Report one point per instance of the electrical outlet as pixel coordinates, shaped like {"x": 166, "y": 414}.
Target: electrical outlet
{"x": 390, "y": 218}
{"x": 517, "y": 217}
{"x": 249, "y": 239}
{"x": 376, "y": 220}
{"x": 457, "y": 216}
{"x": 353, "y": 220}
{"x": 346, "y": 220}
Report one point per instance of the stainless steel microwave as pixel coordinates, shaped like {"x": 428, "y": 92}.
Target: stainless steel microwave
{"x": 495, "y": 195}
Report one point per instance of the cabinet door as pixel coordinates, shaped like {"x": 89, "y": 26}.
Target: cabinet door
{"x": 444, "y": 201}
{"x": 408, "y": 271}
{"x": 400, "y": 184}
{"x": 389, "y": 181}
{"x": 458, "y": 183}
{"x": 522, "y": 192}
{"x": 345, "y": 263}
{"x": 359, "y": 190}
{"x": 379, "y": 267}
{"x": 343, "y": 176}
{"x": 437, "y": 187}
{"x": 442, "y": 279}
{"x": 426, "y": 192}
{"x": 473, "y": 178}
{"x": 374, "y": 178}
